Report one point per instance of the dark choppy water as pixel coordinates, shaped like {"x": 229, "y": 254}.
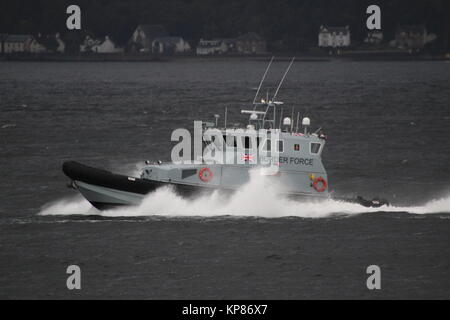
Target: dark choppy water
{"x": 388, "y": 125}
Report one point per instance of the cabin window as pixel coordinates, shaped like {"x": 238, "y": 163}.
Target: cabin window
{"x": 280, "y": 146}
{"x": 188, "y": 173}
{"x": 296, "y": 147}
{"x": 246, "y": 142}
{"x": 315, "y": 148}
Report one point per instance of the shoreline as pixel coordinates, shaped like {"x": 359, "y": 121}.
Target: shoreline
{"x": 302, "y": 57}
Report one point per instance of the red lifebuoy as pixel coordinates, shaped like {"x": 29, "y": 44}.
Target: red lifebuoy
{"x": 205, "y": 174}
{"x": 316, "y": 184}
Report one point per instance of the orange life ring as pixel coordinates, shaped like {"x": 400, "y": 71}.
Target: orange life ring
{"x": 205, "y": 174}
{"x": 316, "y": 184}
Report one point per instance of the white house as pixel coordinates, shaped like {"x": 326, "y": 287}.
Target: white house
{"x": 142, "y": 38}
{"x": 210, "y": 47}
{"x": 99, "y": 46}
{"x": 334, "y": 36}
{"x": 16, "y": 43}
{"x": 170, "y": 45}
{"x": 22, "y": 43}
{"x": 107, "y": 46}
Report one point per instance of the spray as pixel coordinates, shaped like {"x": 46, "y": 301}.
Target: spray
{"x": 260, "y": 197}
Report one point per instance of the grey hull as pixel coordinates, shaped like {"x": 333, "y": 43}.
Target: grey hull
{"x": 105, "y": 190}
{"x": 105, "y": 198}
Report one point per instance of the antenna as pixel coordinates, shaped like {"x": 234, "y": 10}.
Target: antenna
{"x": 225, "y": 118}
{"x": 262, "y": 80}
{"x": 282, "y": 79}
{"x": 292, "y": 120}
{"x": 281, "y": 116}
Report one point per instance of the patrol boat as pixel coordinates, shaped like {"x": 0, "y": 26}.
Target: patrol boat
{"x": 290, "y": 155}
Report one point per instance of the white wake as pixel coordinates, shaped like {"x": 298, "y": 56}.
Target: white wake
{"x": 259, "y": 198}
